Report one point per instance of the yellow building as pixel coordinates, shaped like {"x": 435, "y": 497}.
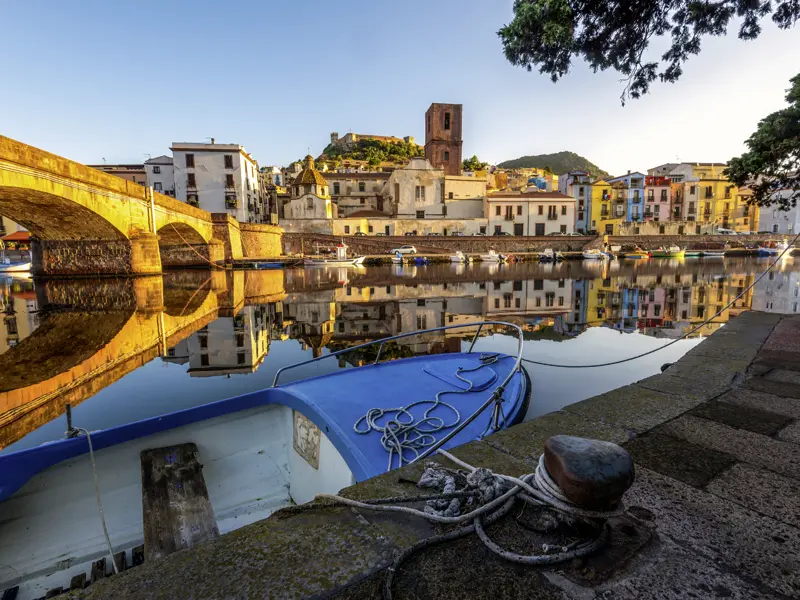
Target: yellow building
{"x": 607, "y": 214}
{"x": 709, "y": 197}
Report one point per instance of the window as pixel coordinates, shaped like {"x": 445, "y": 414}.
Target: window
{"x": 561, "y": 300}
{"x": 549, "y": 299}
{"x": 190, "y": 161}
{"x": 563, "y": 229}
{"x": 363, "y": 201}
{"x": 518, "y": 286}
{"x": 362, "y": 186}
{"x": 663, "y": 195}
{"x": 483, "y": 229}
{"x": 447, "y": 120}
{"x": 563, "y": 210}
{"x": 157, "y": 186}
{"x": 497, "y": 302}
{"x": 190, "y": 181}
{"x": 228, "y": 161}
{"x": 420, "y": 214}
{"x": 156, "y": 170}
{"x": 369, "y": 228}
{"x": 507, "y": 300}
{"x": 204, "y": 360}
{"x": 336, "y": 188}
{"x": 692, "y": 189}
{"x": 421, "y": 302}
{"x": 386, "y": 231}
{"x": 419, "y": 192}
{"x": 541, "y": 210}
{"x": 538, "y": 284}
{"x": 518, "y": 303}
{"x": 661, "y": 229}
{"x": 229, "y": 180}
{"x": 449, "y": 195}
{"x": 498, "y": 229}
{"x": 497, "y": 210}
{"x": 538, "y": 301}
{"x": 446, "y": 156}
{"x": 347, "y": 228}
{"x": 519, "y": 209}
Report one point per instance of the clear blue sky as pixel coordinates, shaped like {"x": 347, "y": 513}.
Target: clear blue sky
{"x": 116, "y": 80}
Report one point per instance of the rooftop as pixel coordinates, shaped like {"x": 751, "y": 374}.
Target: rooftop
{"x": 366, "y": 213}
{"x": 531, "y": 196}
{"x": 309, "y": 175}
{"x": 159, "y": 160}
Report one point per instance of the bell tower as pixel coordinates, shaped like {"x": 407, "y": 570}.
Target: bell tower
{"x": 443, "y": 137}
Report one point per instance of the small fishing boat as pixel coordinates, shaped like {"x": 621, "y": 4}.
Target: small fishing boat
{"x": 341, "y": 259}
{"x": 669, "y": 252}
{"x": 693, "y": 253}
{"x": 636, "y": 254}
{"x": 15, "y": 267}
{"x": 398, "y": 259}
{"x": 712, "y": 254}
{"x": 772, "y": 248}
{"x": 421, "y": 260}
{"x": 594, "y": 254}
{"x": 170, "y": 480}
{"x": 616, "y": 248}
{"x": 460, "y": 257}
{"x": 492, "y": 257}
{"x": 549, "y": 255}
{"x": 268, "y": 265}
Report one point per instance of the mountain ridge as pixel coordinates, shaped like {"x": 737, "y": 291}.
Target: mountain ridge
{"x": 560, "y": 162}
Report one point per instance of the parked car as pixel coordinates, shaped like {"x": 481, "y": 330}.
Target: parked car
{"x": 380, "y": 235}
{"x": 432, "y": 234}
{"x": 571, "y": 233}
{"x": 411, "y": 233}
{"x": 456, "y": 233}
{"x": 502, "y": 233}
{"x": 479, "y": 233}
{"x": 359, "y": 233}
{"x": 407, "y": 249}
{"x": 556, "y": 233}
{"x": 723, "y": 231}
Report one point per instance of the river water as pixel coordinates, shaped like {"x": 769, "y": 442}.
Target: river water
{"x": 120, "y": 350}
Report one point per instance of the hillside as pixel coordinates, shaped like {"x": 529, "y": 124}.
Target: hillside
{"x": 374, "y": 151}
{"x": 560, "y": 163}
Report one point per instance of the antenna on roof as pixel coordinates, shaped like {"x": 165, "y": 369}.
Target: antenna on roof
{"x": 147, "y": 154}
{"x": 210, "y": 138}
{"x": 104, "y": 160}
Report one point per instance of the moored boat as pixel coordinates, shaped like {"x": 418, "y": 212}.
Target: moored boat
{"x": 772, "y": 248}
{"x": 15, "y": 267}
{"x": 460, "y": 257}
{"x": 326, "y": 431}
{"x": 693, "y": 253}
{"x": 636, "y": 254}
{"x": 341, "y": 259}
{"x": 549, "y": 255}
{"x": 594, "y": 254}
{"x": 492, "y": 257}
{"x": 668, "y": 252}
{"x": 712, "y": 254}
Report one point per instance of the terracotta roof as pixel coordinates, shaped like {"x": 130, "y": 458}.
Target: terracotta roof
{"x": 531, "y": 195}
{"x": 17, "y": 236}
{"x": 366, "y": 213}
{"x": 309, "y": 174}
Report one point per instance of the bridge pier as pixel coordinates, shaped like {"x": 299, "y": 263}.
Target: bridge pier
{"x": 69, "y": 258}
{"x": 192, "y": 255}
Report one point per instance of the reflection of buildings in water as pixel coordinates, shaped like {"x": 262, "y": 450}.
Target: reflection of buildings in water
{"x": 226, "y": 346}
{"x": 20, "y": 314}
{"x": 777, "y": 293}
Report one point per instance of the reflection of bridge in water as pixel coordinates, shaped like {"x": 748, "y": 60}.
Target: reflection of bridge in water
{"x": 91, "y": 333}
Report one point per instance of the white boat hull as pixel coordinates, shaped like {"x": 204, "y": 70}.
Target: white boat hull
{"x": 333, "y": 262}
{"x": 51, "y": 530}
{"x": 22, "y": 267}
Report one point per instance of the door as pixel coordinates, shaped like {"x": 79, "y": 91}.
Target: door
{"x": 540, "y": 229}
{"x": 609, "y": 230}
{"x": 518, "y": 229}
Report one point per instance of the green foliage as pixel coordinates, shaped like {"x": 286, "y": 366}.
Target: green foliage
{"x": 614, "y": 35}
{"x": 772, "y": 161}
{"x": 558, "y": 163}
{"x": 473, "y": 164}
{"x": 370, "y": 149}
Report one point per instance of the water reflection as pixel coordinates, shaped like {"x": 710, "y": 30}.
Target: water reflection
{"x": 120, "y": 350}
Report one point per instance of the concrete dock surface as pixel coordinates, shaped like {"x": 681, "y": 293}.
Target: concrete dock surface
{"x": 714, "y": 511}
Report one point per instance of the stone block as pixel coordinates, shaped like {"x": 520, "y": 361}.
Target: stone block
{"x": 761, "y": 491}
{"x": 789, "y": 407}
{"x": 746, "y": 446}
{"x": 753, "y": 546}
{"x": 679, "y": 459}
{"x": 742, "y": 417}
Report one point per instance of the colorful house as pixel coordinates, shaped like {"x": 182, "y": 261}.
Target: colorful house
{"x": 578, "y": 185}
{"x": 657, "y": 192}
{"x": 607, "y": 212}
{"x": 629, "y": 188}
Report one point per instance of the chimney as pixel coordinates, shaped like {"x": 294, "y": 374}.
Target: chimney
{"x": 212, "y": 142}
{"x": 629, "y": 171}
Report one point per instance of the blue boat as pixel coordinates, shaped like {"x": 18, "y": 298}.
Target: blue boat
{"x": 260, "y": 451}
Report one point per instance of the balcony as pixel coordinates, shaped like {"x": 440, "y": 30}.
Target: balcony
{"x": 605, "y": 197}
{"x": 635, "y": 218}
{"x": 708, "y": 195}
{"x": 191, "y": 187}
{"x": 508, "y": 217}
{"x": 551, "y": 217}
{"x": 231, "y": 202}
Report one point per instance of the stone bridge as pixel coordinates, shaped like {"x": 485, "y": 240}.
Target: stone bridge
{"x": 85, "y": 222}
{"x": 94, "y": 332}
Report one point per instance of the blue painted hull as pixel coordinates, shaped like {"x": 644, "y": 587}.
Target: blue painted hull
{"x": 333, "y": 402}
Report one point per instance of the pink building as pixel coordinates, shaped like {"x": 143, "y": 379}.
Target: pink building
{"x": 657, "y": 198}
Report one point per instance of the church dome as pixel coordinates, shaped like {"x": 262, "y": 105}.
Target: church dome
{"x": 309, "y": 175}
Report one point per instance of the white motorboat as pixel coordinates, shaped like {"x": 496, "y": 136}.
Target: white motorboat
{"x": 397, "y": 259}
{"x": 492, "y": 257}
{"x": 341, "y": 259}
{"x": 15, "y": 267}
{"x": 772, "y": 248}
{"x": 550, "y": 255}
{"x": 460, "y": 257}
{"x": 595, "y": 254}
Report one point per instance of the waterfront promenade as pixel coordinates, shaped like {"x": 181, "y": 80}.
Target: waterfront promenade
{"x": 714, "y": 511}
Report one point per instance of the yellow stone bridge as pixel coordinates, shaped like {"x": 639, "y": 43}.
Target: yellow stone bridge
{"x": 83, "y": 221}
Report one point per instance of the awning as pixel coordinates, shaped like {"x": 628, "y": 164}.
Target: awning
{"x": 17, "y": 236}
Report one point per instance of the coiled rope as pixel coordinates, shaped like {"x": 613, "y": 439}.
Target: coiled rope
{"x": 403, "y": 434}
{"x": 685, "y": 335}
{"x": 498, "y": 493}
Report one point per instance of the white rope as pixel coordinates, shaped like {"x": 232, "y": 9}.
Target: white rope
{"x": 99, "y": 501}
{"x": 541, "y": 491}
{"x": 412, "y": 435}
